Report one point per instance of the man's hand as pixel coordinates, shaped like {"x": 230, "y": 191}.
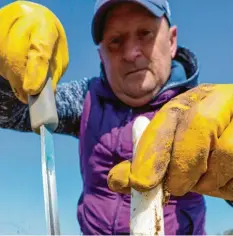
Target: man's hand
{"x": 31, "y": 40}
{"x": 188, "y": 144}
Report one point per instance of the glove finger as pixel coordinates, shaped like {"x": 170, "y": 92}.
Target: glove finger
{"x": 155, "y": 146}
{"x": 58, "y": 63}
{"x": 118, "y": 178}
{"x": 60, "y": 60}
{"x": 42, "y": 41}
{"x": 227, "y": 191}
{"x": 16, "y": 44}
{"x": 220, "y": 168}
{"x": 196, "y": 136}
{"x": 10, "y": 15}
{"x": 15, "y": 59}
{"x": 153, "y": 151}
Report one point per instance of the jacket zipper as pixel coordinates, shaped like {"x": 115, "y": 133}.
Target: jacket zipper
{"x": 120, "y": 196}
{"x": 129, "y": 116}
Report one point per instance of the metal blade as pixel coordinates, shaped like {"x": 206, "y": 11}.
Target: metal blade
{"x": 49, "y": 181}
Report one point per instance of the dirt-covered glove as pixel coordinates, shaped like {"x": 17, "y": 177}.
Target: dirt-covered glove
{"x": 188, "y": 145}
{"x": 31, "y": 39}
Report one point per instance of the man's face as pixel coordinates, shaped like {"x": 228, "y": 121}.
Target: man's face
{"x": 136, "y": 51}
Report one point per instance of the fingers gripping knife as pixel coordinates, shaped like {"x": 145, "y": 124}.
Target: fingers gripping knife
{"x": 44, "y": 120}
{"x": 147, "y": 207}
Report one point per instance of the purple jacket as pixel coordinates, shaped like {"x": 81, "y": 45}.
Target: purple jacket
{"x": 90, "y": 111}
{"x": 106, "y": 139}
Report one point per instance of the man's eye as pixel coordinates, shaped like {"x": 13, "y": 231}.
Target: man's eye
{"x": 114, "y": 43}
{"x": 146, "y": 34}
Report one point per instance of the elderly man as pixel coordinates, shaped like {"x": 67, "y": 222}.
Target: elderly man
{"x": 143, "y": 72}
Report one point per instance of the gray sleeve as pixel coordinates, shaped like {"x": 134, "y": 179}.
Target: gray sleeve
{"x": 69, "y": 99}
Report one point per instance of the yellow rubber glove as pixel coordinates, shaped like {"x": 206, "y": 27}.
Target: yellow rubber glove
{"x": 188, "y": 145}
{"x": 31, "y": 39}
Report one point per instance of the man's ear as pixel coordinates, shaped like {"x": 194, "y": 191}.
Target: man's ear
{"x": 102, "y": 62}
{"x": 173, "y": 40}
{"x": 100, "y": 54}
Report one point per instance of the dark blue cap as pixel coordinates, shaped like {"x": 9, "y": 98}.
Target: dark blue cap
{"x": 158, "y": 8}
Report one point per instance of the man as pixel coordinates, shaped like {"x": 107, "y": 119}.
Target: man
{"x": 143, "y": 72}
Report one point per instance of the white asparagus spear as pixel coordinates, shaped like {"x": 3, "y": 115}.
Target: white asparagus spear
{"x": 146, "y": 208}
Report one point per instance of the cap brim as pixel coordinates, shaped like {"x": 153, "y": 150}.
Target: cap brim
{"x": 99, "y": 17}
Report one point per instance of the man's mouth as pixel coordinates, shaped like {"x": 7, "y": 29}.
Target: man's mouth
{"x": 136, "y": 70}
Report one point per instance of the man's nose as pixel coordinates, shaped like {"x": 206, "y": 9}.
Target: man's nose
{"x": 132, "y": 50}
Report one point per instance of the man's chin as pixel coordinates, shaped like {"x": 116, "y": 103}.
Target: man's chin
{"x": 137, "y": 100}
{"x": 141, "y": 93}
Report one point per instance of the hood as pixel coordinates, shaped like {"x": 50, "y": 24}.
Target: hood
{"x": 184, "y": 74}
{"x": 184, "y": 71}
